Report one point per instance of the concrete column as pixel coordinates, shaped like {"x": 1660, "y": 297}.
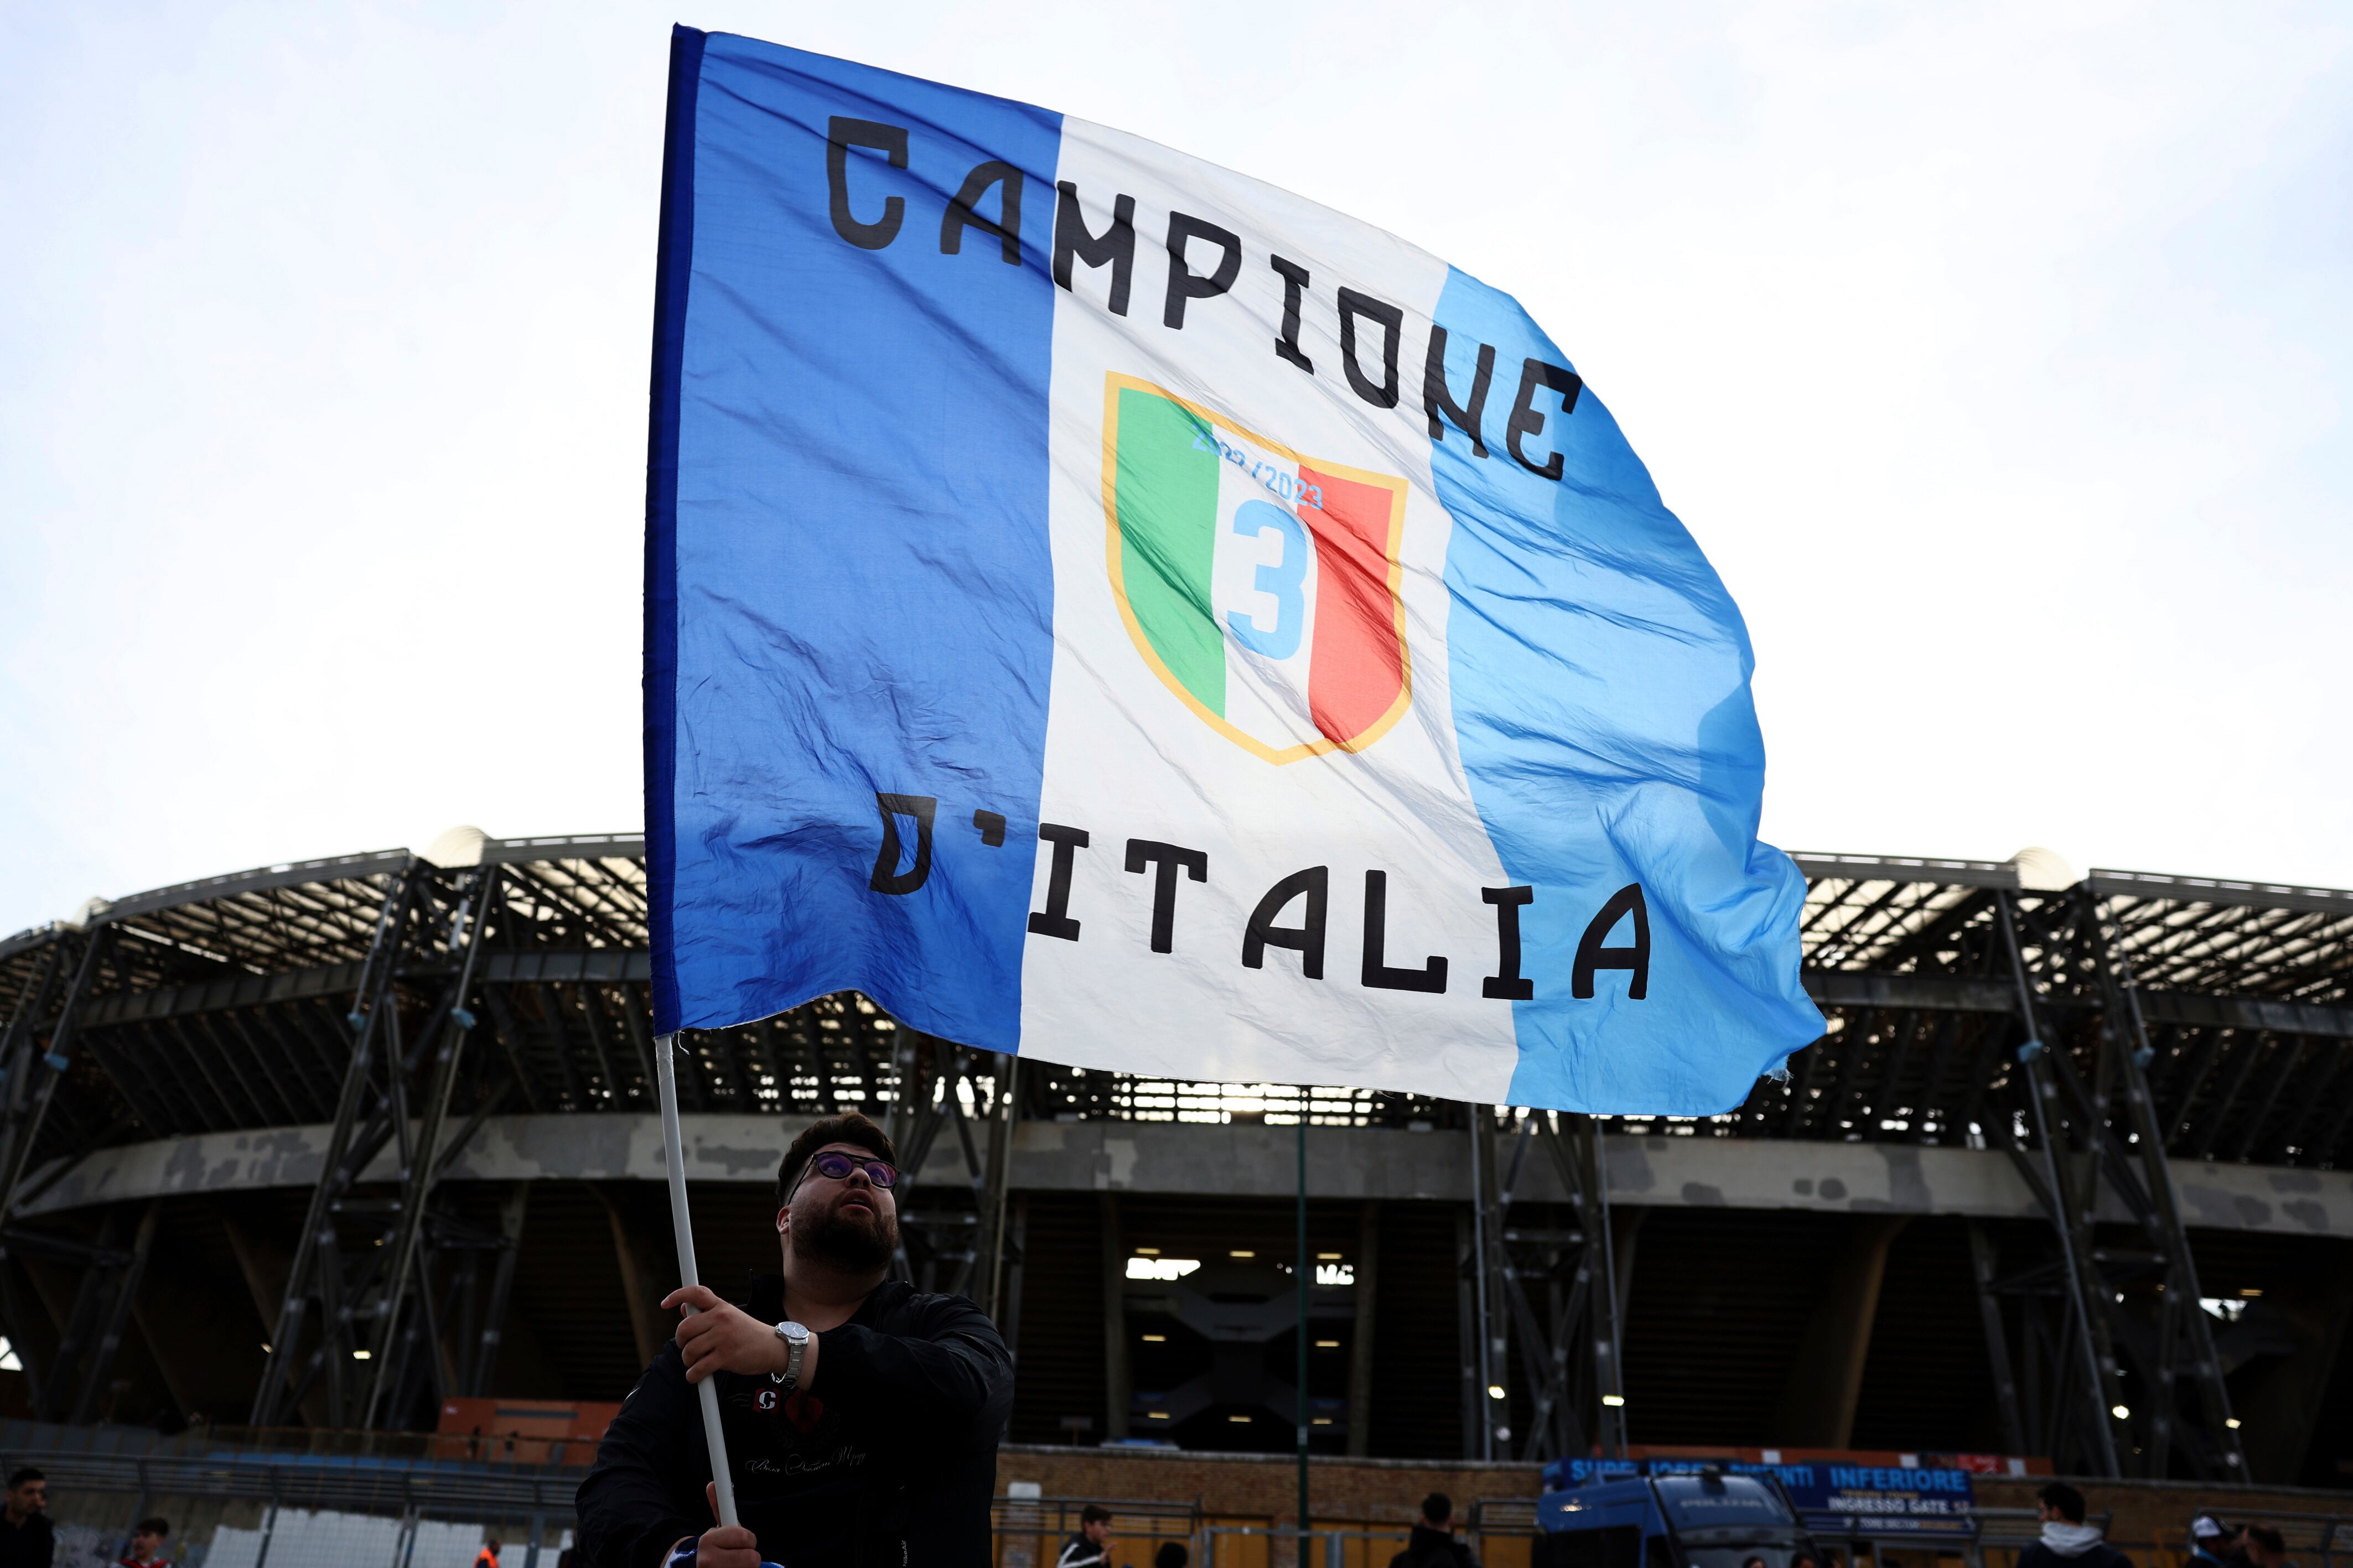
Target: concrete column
{"x": 267, "y": 1267}
{"x": 1817, "y": 1407}
{"x": 1466, "y": 1322}
{"x": 1360, "y": 1344}
{"x": 1612, "y": 1424}
{"x": 56, "y": 1291}
{"x": 2282, "y": 1409}
{"x": 1008, "y": 1316}
{"x": 200, "y": 1330}
{"x": 641, "y": 1279}
{"x": 1625, "y": 1231}
{"x": 1114, "y": 1277}
{"x": 163, "y": 1349}
{"x": 30, "y": 1327}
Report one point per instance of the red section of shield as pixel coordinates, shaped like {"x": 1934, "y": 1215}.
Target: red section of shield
{"x": 1357, "y": 666}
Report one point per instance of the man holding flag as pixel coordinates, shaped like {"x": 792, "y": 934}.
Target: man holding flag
{"x": 1104, "y": 607}
{"x": 863, "y": 1416}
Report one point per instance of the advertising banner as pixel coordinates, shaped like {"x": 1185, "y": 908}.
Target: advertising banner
{"x": 1831, "y": 1497}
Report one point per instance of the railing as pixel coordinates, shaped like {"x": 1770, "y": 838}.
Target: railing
{"x": 2314, "y": 1540}
{"x": 1996, "y": 1536}
{"x": 1349, "y": 1546}
{"x": 240, "y": 1498}
{"x": 482, "y": 1447}
{"x": 339, "y": 1470}
{"x": 1961, "y": 1536}
{"x": 1028, "y": 1532}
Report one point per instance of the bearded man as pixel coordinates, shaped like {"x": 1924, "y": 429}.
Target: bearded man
{"x": 862, "y": 1418}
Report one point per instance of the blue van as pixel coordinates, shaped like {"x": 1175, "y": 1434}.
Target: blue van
{"x": 1706, "y": 1519}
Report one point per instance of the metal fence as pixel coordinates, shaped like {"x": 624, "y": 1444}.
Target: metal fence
{"x": 1347, "y": 1546}
{"x": 235, "y": 1503}
{"x": 1030, "y": 1533}
{"x": 1994, "y": 1537}
{"x": 232, "y": 1506}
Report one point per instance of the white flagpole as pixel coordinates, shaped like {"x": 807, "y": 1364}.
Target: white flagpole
{"x": 666, "y": 1081}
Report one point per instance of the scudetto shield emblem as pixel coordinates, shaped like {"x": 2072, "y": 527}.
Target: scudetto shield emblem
{"x": 1259, "y": 584}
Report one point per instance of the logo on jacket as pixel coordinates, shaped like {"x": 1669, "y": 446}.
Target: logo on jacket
{"x": 803, "y": 1410}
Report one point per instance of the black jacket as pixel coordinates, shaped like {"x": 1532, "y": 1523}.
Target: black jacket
{"x": 1430, "y": 1548}
{"x": 28, "y": 1546}
{"x": 889, "y": 1456}
{"x": 2100, "y": 1555}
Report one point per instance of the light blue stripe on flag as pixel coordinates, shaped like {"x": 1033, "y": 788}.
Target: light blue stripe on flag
{"x": 1602, "y": 702}
{"x": 859, "y": 552}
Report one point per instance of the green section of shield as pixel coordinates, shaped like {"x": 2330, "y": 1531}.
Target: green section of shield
{"x": 1166, "y": 492}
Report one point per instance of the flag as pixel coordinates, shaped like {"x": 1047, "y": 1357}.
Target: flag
{"x": 1104, "y": 607}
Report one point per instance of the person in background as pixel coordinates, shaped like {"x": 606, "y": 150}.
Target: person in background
{"x": 1172, "y": 1554}
{"x": 1432, "y": 1543}
{"x": 2266, "y": 1548}
{"x": 2207, "y": 1541}
{"x": 1752, "y": 1561}
{"x": 2067, "y": 1541}
{"x": 488, "y": 1557}
{"x": 1090, "y": 1547}
{"x": 27, "y": 1538}
{"x": 147, "y": 1544}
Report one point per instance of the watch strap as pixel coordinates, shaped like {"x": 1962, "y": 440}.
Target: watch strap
{"x": 796, "y": 1348}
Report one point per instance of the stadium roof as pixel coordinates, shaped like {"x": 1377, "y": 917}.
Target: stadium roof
{"x": 231, "y": 991}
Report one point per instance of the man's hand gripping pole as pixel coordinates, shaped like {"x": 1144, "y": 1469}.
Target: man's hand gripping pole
{"x": 722, "y": 1480}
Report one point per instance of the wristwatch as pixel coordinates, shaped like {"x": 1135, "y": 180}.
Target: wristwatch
{"x": 797, "y": 1337}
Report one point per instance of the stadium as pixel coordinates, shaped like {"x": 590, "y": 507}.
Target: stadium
{"x": 369, "y": 1145}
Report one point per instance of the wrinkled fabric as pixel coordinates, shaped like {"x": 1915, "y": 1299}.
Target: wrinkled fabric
{"x": 1105, "y": 606}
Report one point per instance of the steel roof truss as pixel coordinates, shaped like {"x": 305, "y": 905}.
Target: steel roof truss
{"x": 275, "y": 1089}
{"x": 134, "y": 1078}
{"x": 241, "y": 1107}
{"x": 265, "y": 1036}
{"x": 551, "y": 1012}
{"x": 2320, "y": 1089}
{"x": 2244, "y": 1049}
{"x": 2286, "y": 1050}
{"x": 593, "y": 1021}
{"x": 167, "y": 1063}
{"x": 509, "y": 1030}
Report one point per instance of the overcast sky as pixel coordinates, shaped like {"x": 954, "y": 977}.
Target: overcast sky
{"x": 1998, "y": 357}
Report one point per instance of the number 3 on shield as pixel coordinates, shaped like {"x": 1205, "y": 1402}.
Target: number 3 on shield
{"x": 1285, "y": 579}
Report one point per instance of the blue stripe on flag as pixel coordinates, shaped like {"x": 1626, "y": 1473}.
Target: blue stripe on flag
{"x": 1599, "y": 680}
{"x": 864, "y": 589}
{"x": 673, "y": 264}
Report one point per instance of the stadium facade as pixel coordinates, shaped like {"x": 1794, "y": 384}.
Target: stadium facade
{"x": 2071, "y": 1175}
